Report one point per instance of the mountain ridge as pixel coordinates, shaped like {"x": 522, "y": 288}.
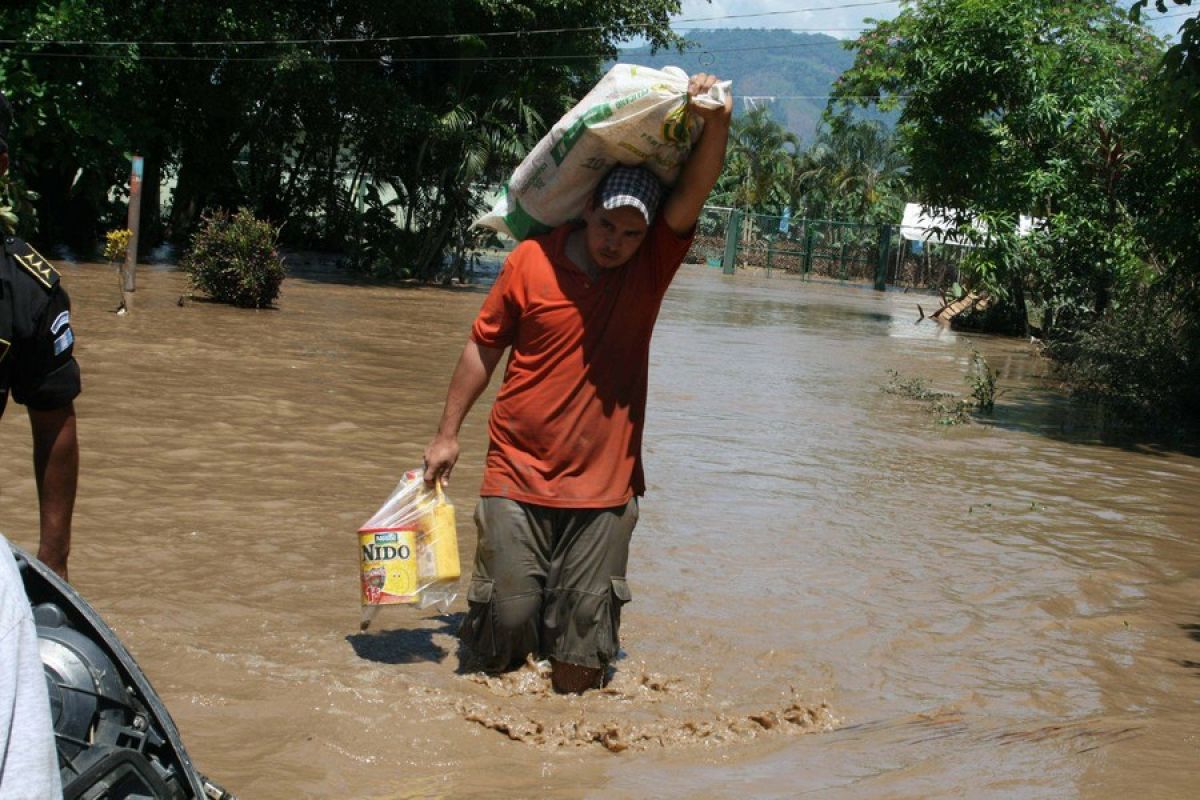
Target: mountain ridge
{"x": 798, "y": 70}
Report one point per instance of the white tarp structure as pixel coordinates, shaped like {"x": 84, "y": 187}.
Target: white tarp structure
{"x": 1027, "y": 225}
{"x": 920, "y": 224}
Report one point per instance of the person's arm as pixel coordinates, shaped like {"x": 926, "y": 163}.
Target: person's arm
{"x": 471, "y": 377}
{"x": 56, "y": 468}
{"x": 705, "y": 162}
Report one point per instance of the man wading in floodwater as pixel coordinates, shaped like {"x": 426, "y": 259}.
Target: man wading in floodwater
{"x": 564, "y": 469}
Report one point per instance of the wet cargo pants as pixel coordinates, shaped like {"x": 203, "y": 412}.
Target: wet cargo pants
{"x": 547, "y": 581}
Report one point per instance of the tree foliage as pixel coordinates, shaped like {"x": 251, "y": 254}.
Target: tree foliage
{"x": 851, "y": 171}
{"x": 333, "y": 119}
{"x": 1162, "y": 192}
{"x": 756, "y": 170}
{"x": 1014, "y": 108}
{"x": 1177, "y": 82}
{"x": 1073, "y": 114}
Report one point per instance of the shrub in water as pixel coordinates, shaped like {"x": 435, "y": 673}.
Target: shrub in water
{"x": 233, "y": 259}
{"x": 1142, "y": 363}
{"x": 982, "y": 379}
{"x": 116, "y": 244}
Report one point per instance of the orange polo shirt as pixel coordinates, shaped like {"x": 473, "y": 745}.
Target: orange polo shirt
{"x": 566, "y": 427}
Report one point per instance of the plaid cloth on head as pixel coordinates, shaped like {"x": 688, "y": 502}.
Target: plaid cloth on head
{"x": 631, "y": 186}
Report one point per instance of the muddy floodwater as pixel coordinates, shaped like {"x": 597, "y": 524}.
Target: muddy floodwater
{"x": 834, "y": 595}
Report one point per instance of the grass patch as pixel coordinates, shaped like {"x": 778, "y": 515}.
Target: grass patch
{"x": 949, "y": 408}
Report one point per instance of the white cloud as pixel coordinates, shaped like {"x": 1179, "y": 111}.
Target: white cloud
{"x": 834, "y": 18}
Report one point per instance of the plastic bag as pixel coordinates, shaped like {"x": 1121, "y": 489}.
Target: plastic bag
{"x": 408, "y": 551}
{"x": 634, "y": 115}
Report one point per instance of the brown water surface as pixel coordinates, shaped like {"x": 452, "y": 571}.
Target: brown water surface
{"x": 1005, "y": 608}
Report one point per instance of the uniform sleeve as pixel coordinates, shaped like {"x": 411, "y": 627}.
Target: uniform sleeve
{"x": 496, "y": 325}
{"x": 45, "y": 373}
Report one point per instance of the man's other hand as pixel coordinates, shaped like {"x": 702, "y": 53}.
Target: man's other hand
{"x": 440, "y": 457}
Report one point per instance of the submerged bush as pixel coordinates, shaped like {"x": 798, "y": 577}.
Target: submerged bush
{"x": 116, "y": 245}
{"x": 982, "y": 380}
{"x": 233, "y": 259}
{"x": 1142, "y": 363}
{"x": 949, "y": 409}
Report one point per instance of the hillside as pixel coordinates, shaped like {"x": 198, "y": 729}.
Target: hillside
{"x": 776, "y": 63}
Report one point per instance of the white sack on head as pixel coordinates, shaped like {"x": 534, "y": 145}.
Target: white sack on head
{"x": 634, "y": 115}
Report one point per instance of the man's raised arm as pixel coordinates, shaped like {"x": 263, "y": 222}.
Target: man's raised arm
{"x": 707, "y": 158}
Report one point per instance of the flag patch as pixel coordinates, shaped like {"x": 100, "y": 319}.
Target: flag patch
{"x": 60, "y": 322}
{"x": 62, "y": 343}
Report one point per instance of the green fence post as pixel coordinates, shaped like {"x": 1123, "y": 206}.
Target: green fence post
{"x": 731, "y": 239}
{"x": 808, "y": 247}
{"x": 885, "y": 253}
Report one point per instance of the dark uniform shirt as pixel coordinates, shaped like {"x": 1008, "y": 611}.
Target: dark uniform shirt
{"x": 37, "y": 360}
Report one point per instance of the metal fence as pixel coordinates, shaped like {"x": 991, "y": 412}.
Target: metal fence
{"x": 924, "y": 265}
{"x": 831, "y": 249}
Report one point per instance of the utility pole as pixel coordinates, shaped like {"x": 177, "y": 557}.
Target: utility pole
{"x": 128, "y": 276}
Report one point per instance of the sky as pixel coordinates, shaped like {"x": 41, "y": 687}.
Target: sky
{"x": 843, "y": 20}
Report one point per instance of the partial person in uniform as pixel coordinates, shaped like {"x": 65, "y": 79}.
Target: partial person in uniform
{"x": 37, "y": 365}
{"x": 564, "y": 468}
{"x": 28, "y": 757}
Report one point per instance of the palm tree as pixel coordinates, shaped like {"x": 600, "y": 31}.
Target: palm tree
{"x": 872, "y": 171}
{"x": 853, "y": 170}
{"x": 760, "y": 157}
{"x": 464, "y": 148}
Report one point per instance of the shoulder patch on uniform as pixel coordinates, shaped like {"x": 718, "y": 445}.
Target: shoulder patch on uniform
{"x": 34, "y": 263}
{"x": 64, "y": 342}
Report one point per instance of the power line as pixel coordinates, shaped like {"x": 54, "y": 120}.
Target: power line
{"x": 774, "y": 30}
{"x": 413, "y": 37}
{"x": 384, "y": 60}
{"x": 323, "y": 40}
{"x": 770, "y": 98}
{"x": 481, "y": 35}
{"x": 838, "y": 7}
{"x": 387, "y": 59}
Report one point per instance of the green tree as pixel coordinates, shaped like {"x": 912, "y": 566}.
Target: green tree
{"x": 1144, "y": 356}
{"x": 297, "y": 110}
{"x": 1011, "y": 108}
{"x": 758, "y": 163}
{"x": 853, "y": 170}
{"x": 1166, "y": 123}
{"x": 68, "y": 138}
{"x": 1178, "y": 76}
